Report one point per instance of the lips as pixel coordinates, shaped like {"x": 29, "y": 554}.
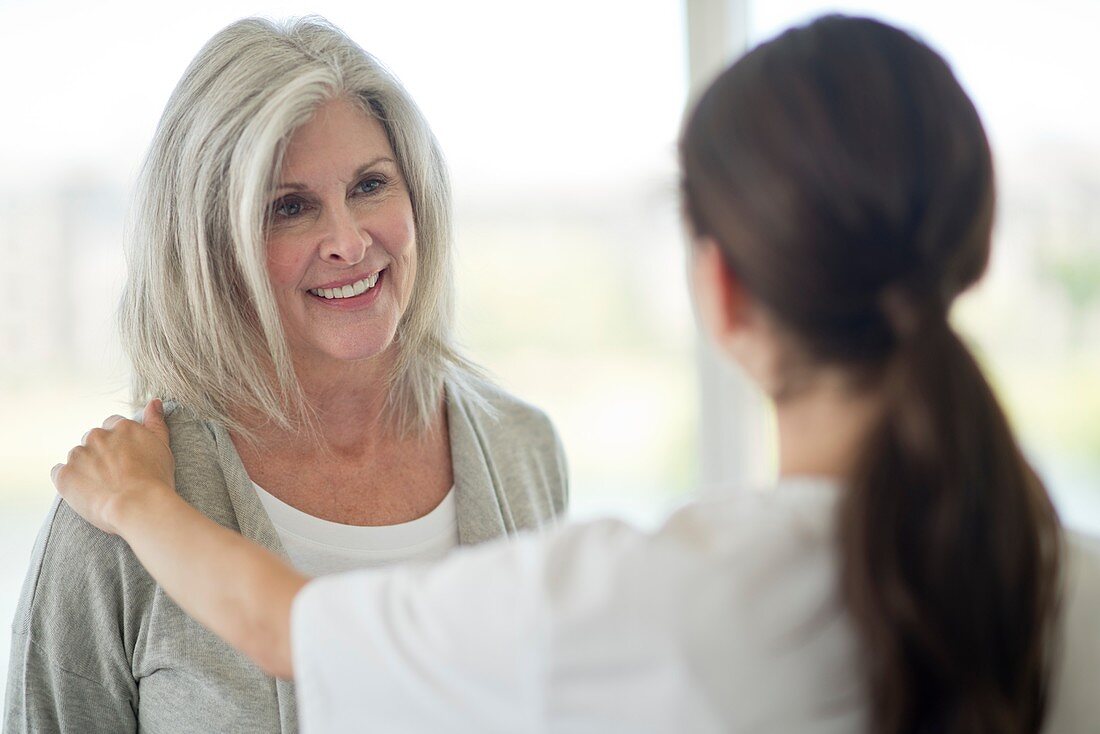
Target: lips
{"x": 348, "y": 290}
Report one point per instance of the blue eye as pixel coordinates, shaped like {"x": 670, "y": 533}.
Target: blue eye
{"x": 369, "y": 185}
{"x": 287, "y": 207}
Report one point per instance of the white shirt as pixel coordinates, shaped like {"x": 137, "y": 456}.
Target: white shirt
{"x": 726, "y": 619}
{"x": 317, "y": 547}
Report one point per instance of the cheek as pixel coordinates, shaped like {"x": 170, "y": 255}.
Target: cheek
{"x": 402, "y": 236}
{"x": 402, "y": 245}
{"x": 408, "y": 259}
{"x": 283, "y": 263}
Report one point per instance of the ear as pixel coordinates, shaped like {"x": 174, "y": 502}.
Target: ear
{"x": 721, "y": 302}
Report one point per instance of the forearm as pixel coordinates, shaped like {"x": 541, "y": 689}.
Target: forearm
{"x": 235, "y": 588}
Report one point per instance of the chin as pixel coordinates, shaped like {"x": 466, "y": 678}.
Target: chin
{"x": 360, "y": 350}
{"x": 329, "y": 347}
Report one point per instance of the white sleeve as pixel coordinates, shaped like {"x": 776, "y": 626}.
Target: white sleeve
{"x": 446, "y": 647}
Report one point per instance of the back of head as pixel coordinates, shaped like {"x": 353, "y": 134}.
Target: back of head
{"x": 198, "y": 317}
{"x": 849, "y": 182}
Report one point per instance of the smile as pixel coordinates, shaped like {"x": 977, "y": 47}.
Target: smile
{"x": 350, "y": 290}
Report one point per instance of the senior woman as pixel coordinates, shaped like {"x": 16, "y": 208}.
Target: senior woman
{"x": 290, "y": 294}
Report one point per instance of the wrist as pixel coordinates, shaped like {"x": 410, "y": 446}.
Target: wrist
{"x": 134, "y": 508}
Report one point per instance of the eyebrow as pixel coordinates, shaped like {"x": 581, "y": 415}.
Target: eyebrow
{"x": 295, "y": 186}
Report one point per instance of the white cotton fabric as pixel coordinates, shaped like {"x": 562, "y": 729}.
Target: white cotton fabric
{"x": 318, "y": 547}
{"x": 725, "y": 619}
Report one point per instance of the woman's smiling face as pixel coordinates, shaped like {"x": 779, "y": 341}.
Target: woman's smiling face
{"x": 341, "y": 238}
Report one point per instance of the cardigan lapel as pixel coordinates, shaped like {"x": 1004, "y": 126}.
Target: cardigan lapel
{"x": 252, "y": 519}
{"x": 483, "y": 512}
{"x": 254, "y": 524}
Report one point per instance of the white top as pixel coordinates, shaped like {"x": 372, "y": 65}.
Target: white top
{"x": 726, "y": 619}
{"x": 317, "y": 547}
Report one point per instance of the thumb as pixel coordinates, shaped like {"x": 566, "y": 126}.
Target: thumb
{"x": 153, "y": 419}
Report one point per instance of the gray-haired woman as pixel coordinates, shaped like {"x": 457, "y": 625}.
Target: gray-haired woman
{"x": 290, "y": 294}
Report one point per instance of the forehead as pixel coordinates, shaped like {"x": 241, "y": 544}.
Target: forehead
{"x": 337, "y": 140}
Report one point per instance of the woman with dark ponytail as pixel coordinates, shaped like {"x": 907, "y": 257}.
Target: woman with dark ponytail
{"x": 948, "y": 543}
{"x": 907, "y": 575}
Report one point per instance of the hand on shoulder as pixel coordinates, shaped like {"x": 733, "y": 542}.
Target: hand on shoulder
{"x": 116, "y": 465}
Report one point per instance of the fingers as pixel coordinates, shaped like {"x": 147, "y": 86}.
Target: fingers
{"x": 72, "y": 458}
{"x": 118, "y": 440}
{"x": 111, "y": 422}
{"x": 95, "y": 434}
{"x": 153, "y": 418}
{"x": 61, "y": 473}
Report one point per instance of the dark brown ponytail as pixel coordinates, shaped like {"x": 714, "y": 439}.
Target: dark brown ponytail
{"x": 949, "y": 551}
{"x": 849, "y": 181}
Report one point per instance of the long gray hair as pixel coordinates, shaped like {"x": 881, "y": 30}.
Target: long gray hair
{"x": 198, "y": 316}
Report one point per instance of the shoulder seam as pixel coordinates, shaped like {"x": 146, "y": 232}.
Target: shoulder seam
{"x": 60, "y": 668}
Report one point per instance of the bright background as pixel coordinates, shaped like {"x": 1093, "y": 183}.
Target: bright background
{"x": 559, "y": 120}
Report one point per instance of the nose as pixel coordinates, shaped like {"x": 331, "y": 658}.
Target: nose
{"x": 346, "y": 241}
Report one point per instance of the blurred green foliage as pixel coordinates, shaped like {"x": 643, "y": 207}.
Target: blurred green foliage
{"x": 1077, "y": 276}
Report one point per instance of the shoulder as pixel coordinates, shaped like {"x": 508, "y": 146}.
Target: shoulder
{"x": 83, "y": 596}
{"x": 189, "y": 433}
{"x": 738, "y": 530}
{"x": 79, "y": 619}
{"x": 74, "y": 560}
{"x": 514, "y": 445}
{"x": 1074, "y": 703}
{"x": 69, "y": 554}
{"x": 777, "y": 542}
{"x": 1081, "y": 587}
{"x": 492, "y": 406}
{"x": 505, "y": 420}
{"x": 199, "y": 453}
{"x": 86, "y": 597}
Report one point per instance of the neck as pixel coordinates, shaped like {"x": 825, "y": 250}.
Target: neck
{"x": 349, "y": 401}
{"x": 823, "y": 427}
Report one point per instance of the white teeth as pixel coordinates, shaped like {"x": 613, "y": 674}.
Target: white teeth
{"x": 348, "y": 291}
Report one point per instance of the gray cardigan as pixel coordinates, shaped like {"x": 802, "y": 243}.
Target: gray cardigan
{"x": 97, "y": 646}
